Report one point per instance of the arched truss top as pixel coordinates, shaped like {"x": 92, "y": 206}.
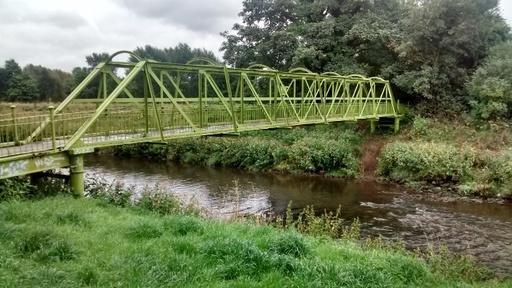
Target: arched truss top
{"x": 301, "y": 70}
{"x": 260, "y": 67}
{"x": 358, "y": 76}
{"x": 377, "y": 79}
{"x": 123, "y": 52}
{"x": 202, "y": 60}
{"x": 331, "y": 74}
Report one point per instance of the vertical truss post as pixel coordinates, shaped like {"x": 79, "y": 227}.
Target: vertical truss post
{"x": 230, "y": 95}
{"x": 205, "y": 101}
{"x": 14, "y": 124}
{"x": 200, "y": 95}
{"x": 52, "y": 125}
{"x": 152, "y": 95}
{"x": 301, "y": 113}
{"x": 146, "y": 109}
{"x": 271, "y": 106}
{"x": 242, "y": 116}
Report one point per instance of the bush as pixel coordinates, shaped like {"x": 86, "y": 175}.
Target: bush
{"x": 14, "y": 188}
{"x": 113, "y": 193}
{"x": 491, "y": 85}
{"x": 320, "y": 155}
{"x": 159, "y": 201}
{"x": 420, "y": 126}
{"x": 493, "y": 175}
{"x": 421, "y": 161}
{"x": 323, "y": 149}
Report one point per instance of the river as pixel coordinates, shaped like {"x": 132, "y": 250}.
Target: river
{"x": 483, "y": 230}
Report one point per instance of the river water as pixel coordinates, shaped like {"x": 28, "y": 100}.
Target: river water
{"x": 483, "y": 230}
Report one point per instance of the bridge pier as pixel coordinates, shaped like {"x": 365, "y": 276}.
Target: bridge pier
{"x": 76, "y": 175}
{"x": 373, "y": 125}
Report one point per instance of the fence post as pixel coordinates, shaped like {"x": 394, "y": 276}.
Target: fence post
{"x": 52, "y": 125}
{"x": 15, "y": 124}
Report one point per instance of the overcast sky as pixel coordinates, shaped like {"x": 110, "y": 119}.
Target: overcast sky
{"x": 60, "y": 33}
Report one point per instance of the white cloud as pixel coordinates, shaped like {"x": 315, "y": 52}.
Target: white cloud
{"x": 60, "y": 33}
{"x": 506, "y": 10}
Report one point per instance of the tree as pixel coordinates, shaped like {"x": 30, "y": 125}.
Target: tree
{"x": 428, "y": 48}
{"x": 490, "y": 87}
{"x": 181, "y": 53}
{"x": 21, "y": 88}
{"x": 96, "y": 58}
{"x": 3, "y": 83}
{"x": 443, "y": 43}
{"x": 51, "y": 84}
{"x": 16, "y": 85}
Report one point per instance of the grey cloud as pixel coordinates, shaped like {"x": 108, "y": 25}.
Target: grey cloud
{"x": 196, "y": 15}
{"x": 59, "y": 19}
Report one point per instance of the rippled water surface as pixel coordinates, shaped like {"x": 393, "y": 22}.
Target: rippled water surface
{"x": 480, "y": 229}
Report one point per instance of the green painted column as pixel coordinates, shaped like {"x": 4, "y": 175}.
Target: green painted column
{"x": 76, "y": 175}
{"x": 373, "y": 124}
{"x": 397, "y": 124}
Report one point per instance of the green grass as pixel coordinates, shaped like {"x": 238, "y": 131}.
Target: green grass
{"x": 66, "y": 242}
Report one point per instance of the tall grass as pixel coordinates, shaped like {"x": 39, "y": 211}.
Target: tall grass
{"x": 65, "y": 242}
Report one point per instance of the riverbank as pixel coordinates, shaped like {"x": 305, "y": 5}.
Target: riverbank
{"x": 451, "y": 155}
{"x": 61, "y": 242}
{"x": 427, "y": 154}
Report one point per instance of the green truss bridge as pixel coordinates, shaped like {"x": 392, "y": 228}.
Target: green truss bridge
{"x": 155, "y": 102}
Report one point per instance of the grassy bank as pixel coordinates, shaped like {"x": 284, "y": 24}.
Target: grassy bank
{"x": 65, "y": 242}
{"x": 473, "y": 160}
{"x": 323, "y": 149}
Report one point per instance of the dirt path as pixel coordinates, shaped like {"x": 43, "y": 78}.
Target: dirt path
{"x": 371, "y": 150}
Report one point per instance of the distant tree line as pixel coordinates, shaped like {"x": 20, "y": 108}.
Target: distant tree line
{"x": 32, "y": 83}
{"x": 430, "y": 49}
{"x": 38, "y": 83}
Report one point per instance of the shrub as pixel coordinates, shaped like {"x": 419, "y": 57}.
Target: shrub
{"x": 421, "y": 161}
{"x": 321, "y": 149}
{"x": 159, "y": 201}
{"x": 14, "y": 188}
{"x": 420, "y": 126}
{"x": 493, "y": 175}
{"x": 113, "y": 193}
{"x": 491, "y": 85}
{"x": 320, "y": 155}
